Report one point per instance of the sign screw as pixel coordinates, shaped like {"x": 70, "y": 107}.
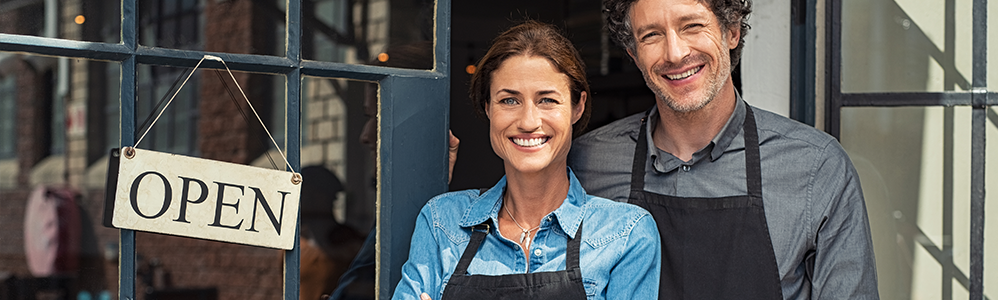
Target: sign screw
{"x": 129, "y": 152}
{"x": 296, "y": 178}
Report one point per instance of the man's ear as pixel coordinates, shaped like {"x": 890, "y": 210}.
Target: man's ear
{"x": 630, "y": 52}
{"x": 578, "y": 109}
{"x": 734, "y": 34}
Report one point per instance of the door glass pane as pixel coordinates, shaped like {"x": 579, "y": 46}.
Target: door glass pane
{"x": 914, "y": 165}
{"x": 906, "y": 46}
{"x": 339, "y": 137}
{"x": 45, "y": 101}
{"x": 84, "y": 20}
{"x": 360, "y": 31}
{"x": 244, "y": 27}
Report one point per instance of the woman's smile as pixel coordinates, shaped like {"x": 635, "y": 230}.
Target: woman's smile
{"x": 530, "y": 142}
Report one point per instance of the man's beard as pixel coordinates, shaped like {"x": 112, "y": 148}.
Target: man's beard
{"x": 713, "y": 87}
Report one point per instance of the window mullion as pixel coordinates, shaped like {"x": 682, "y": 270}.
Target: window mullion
{"x": 979, "y": 127}
{"x": 292, "y": 259}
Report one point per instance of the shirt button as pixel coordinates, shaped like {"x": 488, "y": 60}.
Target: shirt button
{"x": 686, "y": 168}
{"x": 537, "y": 252}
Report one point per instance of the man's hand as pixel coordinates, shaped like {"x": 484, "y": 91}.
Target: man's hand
{"x": 452, "y": 155}
{"x": 424, "y": 296}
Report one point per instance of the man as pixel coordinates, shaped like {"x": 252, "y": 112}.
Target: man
{"x": 749, "y": 204}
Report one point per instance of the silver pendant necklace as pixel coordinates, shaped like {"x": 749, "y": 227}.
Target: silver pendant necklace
{"x": 525, "y": 234}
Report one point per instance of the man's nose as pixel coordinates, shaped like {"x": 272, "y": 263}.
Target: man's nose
{"x": 676, "y": 47}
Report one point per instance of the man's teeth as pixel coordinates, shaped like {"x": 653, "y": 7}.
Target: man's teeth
{"x": 529, "y": 142}
{"x": 684, "y": 74}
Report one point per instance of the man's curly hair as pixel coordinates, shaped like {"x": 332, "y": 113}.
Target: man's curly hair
{"x": 728, "y": 12}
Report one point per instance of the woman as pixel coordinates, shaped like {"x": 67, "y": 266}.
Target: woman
{"x": 536, "y": 234}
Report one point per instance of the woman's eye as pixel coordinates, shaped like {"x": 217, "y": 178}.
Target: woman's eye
{"x": 508, "y": 101}
{"x": 548, "y": 100}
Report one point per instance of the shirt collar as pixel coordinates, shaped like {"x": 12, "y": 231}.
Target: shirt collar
{"x": 568, "y": 215}
{"x": 718, "y": 145}
{"x": 731, "y": 129}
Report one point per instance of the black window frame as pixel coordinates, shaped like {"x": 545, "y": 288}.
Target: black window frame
{"x": 978, "y": 98}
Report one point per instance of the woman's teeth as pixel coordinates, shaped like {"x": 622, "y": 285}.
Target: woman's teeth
{"x": 684, "y": 74}
{"x": 529, "y": 142}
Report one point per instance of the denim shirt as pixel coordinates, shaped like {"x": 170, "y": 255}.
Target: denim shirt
{"x": 620, "y": 250}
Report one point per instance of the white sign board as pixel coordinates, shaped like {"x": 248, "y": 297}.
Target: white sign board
{"x": 200, "y": 198}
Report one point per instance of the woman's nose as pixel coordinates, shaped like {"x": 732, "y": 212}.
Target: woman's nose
{"x": 530, "y": 119}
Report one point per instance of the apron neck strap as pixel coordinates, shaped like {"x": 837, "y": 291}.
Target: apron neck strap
{"x": 753, "y": 170}
{"x": 478, "y": 233}
{"x": 640, "y": 156}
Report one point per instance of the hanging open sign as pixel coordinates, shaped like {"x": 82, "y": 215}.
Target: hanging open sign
{"x": 201, "y": 198}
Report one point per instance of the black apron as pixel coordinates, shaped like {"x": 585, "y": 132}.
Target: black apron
{"x": 565, "y": 284}
{"x": 712, "y": 248}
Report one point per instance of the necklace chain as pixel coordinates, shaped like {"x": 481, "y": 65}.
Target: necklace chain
{"x": 524, "y": 236}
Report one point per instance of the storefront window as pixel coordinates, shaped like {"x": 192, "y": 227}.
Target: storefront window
{"x": 113, "y": 81}
{"x": 906, "y": 46}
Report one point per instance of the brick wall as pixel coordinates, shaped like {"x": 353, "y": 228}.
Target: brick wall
{"x": 12, "y": 231}
{"x": 224, "y": 133}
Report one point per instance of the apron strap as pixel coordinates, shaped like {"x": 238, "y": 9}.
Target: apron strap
{"x": 572, "y": 252}
{"x": 753, "y": 170}
{"x": 640, "y": 156}
{"x": 478, "y": 233}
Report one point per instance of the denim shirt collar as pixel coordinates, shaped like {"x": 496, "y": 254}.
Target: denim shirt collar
{"x": 718, "y": 145}
{"x": 569, "y": 214}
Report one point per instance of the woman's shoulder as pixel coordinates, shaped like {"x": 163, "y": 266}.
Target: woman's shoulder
{"x": 445, "y": 212}
{"x": 610, "y": 220}
{"x": 451, "y": 201}
{"x": 602, "y": 207}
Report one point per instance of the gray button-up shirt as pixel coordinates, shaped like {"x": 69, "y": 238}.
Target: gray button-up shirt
{"x": 810, "y": 190}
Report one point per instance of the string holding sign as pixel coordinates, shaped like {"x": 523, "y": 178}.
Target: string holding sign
{"x": 296, "y": 176}
{"x": 201, "y": 198}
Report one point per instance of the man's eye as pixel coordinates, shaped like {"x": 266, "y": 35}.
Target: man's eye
{"x": 695, "y": 25}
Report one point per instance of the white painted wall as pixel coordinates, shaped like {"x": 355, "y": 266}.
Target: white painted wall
{"x": 766, "y": 57}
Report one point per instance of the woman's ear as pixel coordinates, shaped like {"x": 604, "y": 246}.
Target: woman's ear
{"x": 578, "y": 109}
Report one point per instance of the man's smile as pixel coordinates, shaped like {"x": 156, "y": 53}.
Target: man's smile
{"x": 684, "y": 75}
